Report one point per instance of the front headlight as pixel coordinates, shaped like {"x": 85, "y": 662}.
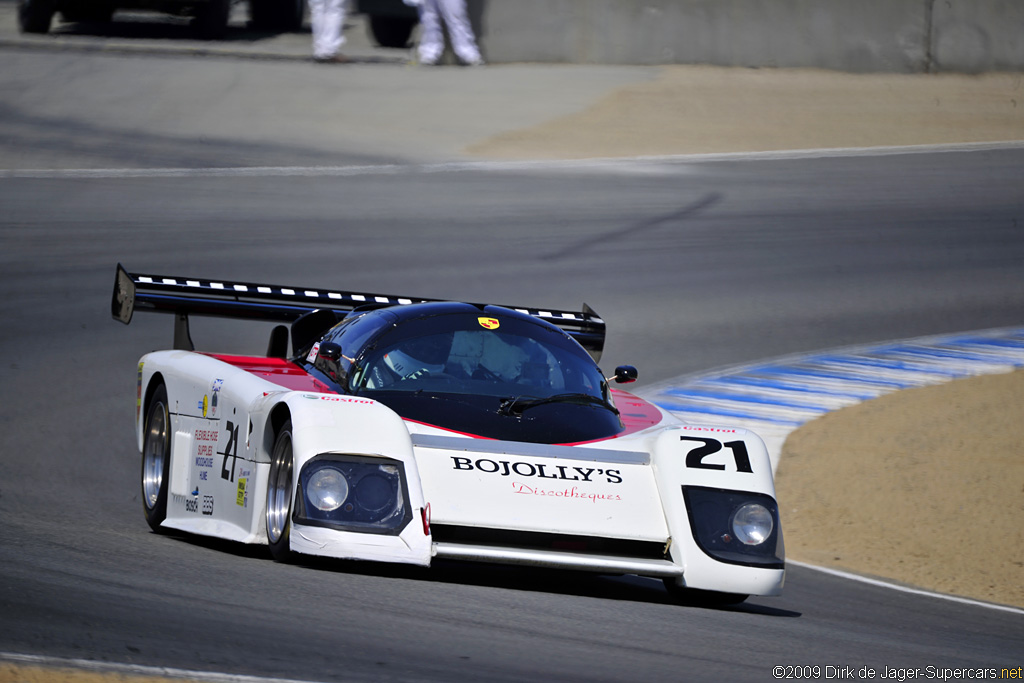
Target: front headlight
{"x": 376, "y": 490}
{"x": 353, "y": 493}
{"x": 752, "y": 524}
{"x": 327, "y": 489}
{"x": 738, "y": 527}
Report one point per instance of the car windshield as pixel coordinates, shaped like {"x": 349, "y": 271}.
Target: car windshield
{"x": 482, "y": 356}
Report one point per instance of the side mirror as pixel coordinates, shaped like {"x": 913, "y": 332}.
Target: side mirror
{"x": 327, "y": 361}
{"x": 330, "y": 351}
{"x": 624, "y": 374}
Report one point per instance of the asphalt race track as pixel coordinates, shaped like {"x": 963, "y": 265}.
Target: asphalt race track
{"x": 693, "y": 265}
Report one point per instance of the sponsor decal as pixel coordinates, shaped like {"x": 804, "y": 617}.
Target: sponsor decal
{"x": 571, "y": 493}
{"x": 204, "y": 405}
{"x": 242, "y": 499}
{"x": 207, "y": 505}
{"x": 507, "y": 468}
{"x": 138, "y": 396}
{"x": 215, "y": 392}
{"x": 205, "y": 435}
{"x": 343, "y": 399}
{"x": 313, "y": 353}
{"x": 488, "y": 323}
{"x": 192, "y": 504}
{"x": 205, "y": 440}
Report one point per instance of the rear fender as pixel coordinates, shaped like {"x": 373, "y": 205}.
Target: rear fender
{"x": 190, "y": 381}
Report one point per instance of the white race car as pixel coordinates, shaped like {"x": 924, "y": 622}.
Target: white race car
{"x": 402, "y": 430}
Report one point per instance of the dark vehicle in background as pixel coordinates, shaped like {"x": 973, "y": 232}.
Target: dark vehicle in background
{"x": 210, "y": 17}
{"x": 390, "y": 22}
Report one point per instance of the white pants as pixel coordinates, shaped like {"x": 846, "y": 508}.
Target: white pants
{"x": 432, "y": 39}
{"x": 327, "y": 17}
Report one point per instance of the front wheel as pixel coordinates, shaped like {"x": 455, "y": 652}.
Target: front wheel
{"x": 156, "y": 459}
{"x": 696, "y": 597}
{"x": 279, "y": 495}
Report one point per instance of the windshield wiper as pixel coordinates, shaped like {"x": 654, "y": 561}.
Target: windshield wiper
{"x": 515, "y": 405}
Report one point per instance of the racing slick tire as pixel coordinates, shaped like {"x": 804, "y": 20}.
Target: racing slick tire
{"x": 391, "y": 31}
{"x": 277, "y": 15}
{"x": 156, "y": 459}
{"x": 279, "y": 495}
{"x": 694, "y": 597}
{"x": 35, "y": 16}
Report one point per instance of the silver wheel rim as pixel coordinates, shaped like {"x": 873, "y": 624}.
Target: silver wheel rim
{"x": 153, "y": 454}
{"x": 279, "y": 488}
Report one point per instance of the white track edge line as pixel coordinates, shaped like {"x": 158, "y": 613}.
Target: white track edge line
{"x": 906, "y": 589}
{"x": 598, "y": 163}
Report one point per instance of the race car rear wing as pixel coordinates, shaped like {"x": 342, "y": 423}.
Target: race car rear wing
{"x": 273, "y": 303}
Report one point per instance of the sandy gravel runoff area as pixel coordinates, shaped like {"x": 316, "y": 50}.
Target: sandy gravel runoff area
{"x": 923, "y": 486}
{"x": 705, "y": 109}
{"x": 18, "y": 673}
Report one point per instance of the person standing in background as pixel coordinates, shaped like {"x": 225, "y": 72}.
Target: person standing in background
{"x": 453, "y": 12}
{"x": 327, "y": 19}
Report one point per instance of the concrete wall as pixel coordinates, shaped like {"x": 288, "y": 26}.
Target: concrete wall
{"x": 847, "y": 35}
{"x": 977, "y": 35}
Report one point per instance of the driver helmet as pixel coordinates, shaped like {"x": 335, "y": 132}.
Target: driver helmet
{"x": 405, "y": 366}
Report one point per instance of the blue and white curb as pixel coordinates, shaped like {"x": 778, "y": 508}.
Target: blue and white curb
{"x": 772, "y": 398}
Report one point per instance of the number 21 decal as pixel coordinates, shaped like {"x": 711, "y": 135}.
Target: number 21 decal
{"x": 695, "y": 458}
{"x": 230, "y": 451}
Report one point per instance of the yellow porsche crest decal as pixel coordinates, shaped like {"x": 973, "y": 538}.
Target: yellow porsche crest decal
{"x": 488, "y": 323}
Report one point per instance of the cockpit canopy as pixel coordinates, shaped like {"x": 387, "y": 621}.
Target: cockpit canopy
{"x": 458, "y": 348}
{"x": 501, "y": 366}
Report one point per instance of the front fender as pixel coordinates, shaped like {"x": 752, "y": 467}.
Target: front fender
{"x": 731, "y": 464}
{"x": 334, "y": 423}
{"x": 353, "y": 426}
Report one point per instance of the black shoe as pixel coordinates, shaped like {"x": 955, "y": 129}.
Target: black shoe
{"x": 333, "y": 59}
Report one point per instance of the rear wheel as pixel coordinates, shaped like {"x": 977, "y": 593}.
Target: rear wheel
{"x": 701, "y": 598}
{"x": 391, "y": 31}
{"x": 35, "y": 16}
{"x": 277, "y": 15}
{"x": 211, "y": 22}
{"x": 279, "y": 495}
{"x": 156, "y": 459}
